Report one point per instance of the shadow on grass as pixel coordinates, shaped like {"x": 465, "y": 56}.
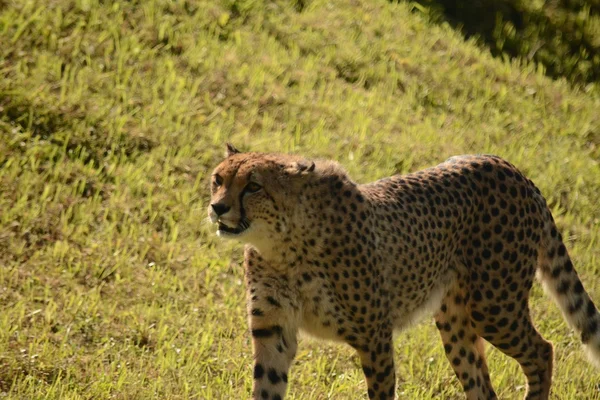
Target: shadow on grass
{"x": 68, "y": 128}
{"x": 562, "y": 35}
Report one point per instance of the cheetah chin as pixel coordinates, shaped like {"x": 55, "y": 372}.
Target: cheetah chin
{"x": 463, "y": 240}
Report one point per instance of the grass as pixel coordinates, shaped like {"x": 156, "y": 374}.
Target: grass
{"x": 113, "y": 114}
{"x": 561, "y": 35}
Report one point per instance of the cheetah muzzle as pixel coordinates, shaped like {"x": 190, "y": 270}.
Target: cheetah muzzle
{"x": 224, "y": 230}
{"x": 353, "y": 262}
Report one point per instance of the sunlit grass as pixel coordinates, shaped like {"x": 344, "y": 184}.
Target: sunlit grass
{"x": 112, "y": 284}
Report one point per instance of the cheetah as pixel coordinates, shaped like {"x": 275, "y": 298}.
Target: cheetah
{"x": 355, "y": 262}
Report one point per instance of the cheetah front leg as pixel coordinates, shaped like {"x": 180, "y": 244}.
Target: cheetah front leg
{"x": 273, "y": 318}
{"x": 274, "y": 349}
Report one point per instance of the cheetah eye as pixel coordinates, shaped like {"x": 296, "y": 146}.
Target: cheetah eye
{"x": 218, "y": 180}
{"x": 252, "y": 187}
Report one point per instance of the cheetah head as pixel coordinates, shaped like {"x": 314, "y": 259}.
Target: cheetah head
{"x": 252, "y": 195}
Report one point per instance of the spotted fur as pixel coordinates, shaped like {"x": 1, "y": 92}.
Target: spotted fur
{"x": 352, "y": 263}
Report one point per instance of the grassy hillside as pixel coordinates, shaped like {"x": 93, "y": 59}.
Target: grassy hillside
{"x": 113, "y": 114}
{"x": 561, "y": 35}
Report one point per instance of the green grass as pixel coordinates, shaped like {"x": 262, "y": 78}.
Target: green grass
{"x": 561, "y": 35}
{"x": 113, "y": 114}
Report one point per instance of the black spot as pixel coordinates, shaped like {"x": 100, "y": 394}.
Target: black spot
{"x": 498, "y": 247}
{"x": 382, "y": 375}
{"x": 591, "y": 309}
{"x": 257, "y": 312}
{"x": 273, "y": 377}
{"x": 592, "y": 327}
{"x": 573, "y": 308}
{"x": 471, "y": 358}
{"x": 556, "y": 272}
{"x": 563, "y": 287}
{"x": 477, "y": 316}
{"x": 485, "y": 276}
{"x": 350, "y": 338}
{"x": 469, "y": 385}
{"x": 273, "y": 302}
{"x": 259, "y": 371}
{"x": 510, "y": 236}
{"x": 262, "y": 333}
{"x": 568, "y": 266}
{"x": 490, "y": 329}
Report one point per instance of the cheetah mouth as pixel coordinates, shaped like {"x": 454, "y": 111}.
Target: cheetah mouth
{"x": 224, "y": 230}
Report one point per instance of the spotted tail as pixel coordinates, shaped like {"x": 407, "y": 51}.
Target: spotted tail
{"x": 560, "y": 279}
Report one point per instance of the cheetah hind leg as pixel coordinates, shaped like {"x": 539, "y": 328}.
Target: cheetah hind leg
{"x": 464, "y": 348}
{"x": 521, "y": 341}
{"x": 508, "y": 326}
{"x": 377, "y": 359}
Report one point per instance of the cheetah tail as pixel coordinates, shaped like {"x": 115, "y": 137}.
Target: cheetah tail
{"x": 559, "y": 278}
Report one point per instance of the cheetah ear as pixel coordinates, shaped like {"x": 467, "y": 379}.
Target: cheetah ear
{"x": 302, "y": 167}
{"x": 231, "y": 150}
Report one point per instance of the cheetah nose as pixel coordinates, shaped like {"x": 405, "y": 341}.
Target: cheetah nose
{"x": 220, "y": 208}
